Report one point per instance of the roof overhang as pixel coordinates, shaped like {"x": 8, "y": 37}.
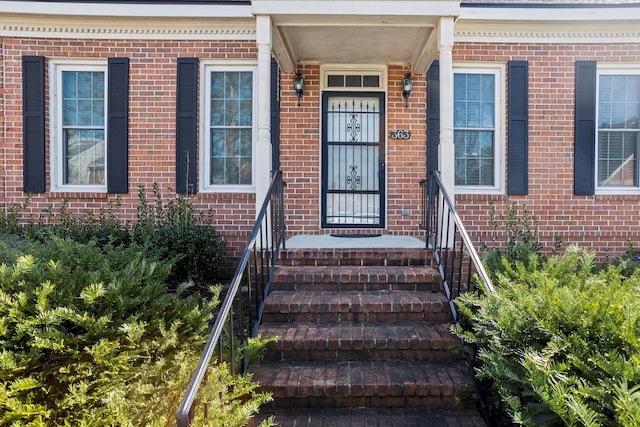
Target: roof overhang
{"x": 355, "y": 31}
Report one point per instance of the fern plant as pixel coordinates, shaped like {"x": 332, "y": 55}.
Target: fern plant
{"x": 92, "y": 336}
{"x": 560, "y": 341}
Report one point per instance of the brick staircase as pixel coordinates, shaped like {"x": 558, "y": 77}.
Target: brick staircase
{"x": 363, "y": 341}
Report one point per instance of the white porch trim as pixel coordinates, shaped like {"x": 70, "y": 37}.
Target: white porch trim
{"x": 263, "y": 148}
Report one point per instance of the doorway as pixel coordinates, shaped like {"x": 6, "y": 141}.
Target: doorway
{"x": 353, "y": 160}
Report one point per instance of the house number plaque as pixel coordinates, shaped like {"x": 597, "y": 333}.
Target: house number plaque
{"x": 400, "y": 134}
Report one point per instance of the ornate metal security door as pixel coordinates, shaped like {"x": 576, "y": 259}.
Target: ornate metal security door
{"x": 353, "y": 160}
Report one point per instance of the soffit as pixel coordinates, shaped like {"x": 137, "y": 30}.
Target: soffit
{"x": 355, "y": 32}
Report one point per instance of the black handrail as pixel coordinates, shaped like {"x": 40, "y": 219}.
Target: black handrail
{"x": 457, "y": 261}
{"x": 256, "y": 267}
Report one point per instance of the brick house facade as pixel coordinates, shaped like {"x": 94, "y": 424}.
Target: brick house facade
{"x": 188, "y": 96}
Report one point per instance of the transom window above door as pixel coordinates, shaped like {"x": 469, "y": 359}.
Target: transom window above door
{"x": 351, "y": 79}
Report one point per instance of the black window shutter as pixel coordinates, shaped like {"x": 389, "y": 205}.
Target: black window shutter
{"x": 433, "y": 117}
{"x": 275, "y": 115}
{"x": 518, "y": 128}
{"x": 118, "y": 125}
{"x": 186, "y": 125}
{"x": 33, "y": 124}
{"x": 585, "y": 125}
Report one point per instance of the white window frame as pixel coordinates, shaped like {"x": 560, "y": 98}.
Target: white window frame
{"x": 608, "y": 70}
{"x": 353, "y": 70}
{"x": 206, "y": 67}
{"x": 56, "y": 158}
{"x": 498, "y": 71}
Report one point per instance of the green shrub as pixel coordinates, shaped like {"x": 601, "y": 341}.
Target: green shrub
{"x": 172, "y": 230}
{"x": 169, "y": 228}
{"x": 517, "y": 242}
{"x": 91, "y": 336}
{"x": 560, "y": 341}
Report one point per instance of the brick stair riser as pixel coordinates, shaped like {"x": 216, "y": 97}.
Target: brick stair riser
{"x": 368, "y": 402}
{"x": 321, "y": 317}
{"x": 372, "y": 354}
{"x": 351, "y": 287}
{"x": 355, "y": 257}
{"x": 367, "y": 383}
{"x": 356, "y": 279}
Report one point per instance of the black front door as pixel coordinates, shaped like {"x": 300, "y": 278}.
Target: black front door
{"x": 353, "y": 147}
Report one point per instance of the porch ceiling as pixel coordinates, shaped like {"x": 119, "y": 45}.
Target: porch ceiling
{"x": 355, "y": 32}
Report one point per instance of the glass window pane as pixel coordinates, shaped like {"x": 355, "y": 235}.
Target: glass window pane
{"x": 85, "y": 113}
{"x": 617, "y": 158}
{"x": 83, "y": 153}
{"x": 69, "y": 112}
{"x": 619, "y": 109}
{"x": 232, "y": 85}
{"x": 246, "y": 86}
{"x": 98, "y": 114}
{"x": 83, "y": 149}
{"x": 488, "y": 88}
{"x": 245, "y": 116}
{"x": 605, "y": 83}
{"x": 217, "y": 85}
{"x": 245, "y": 171}
{"x": 233, "y": 143}
{"x": 245, "y": 143}
{"x": 335, "y": 81}
{"x": 460, "y": 114}
{"x": 474, "y": 87}
{"x": 460, "y": 87}
{"x": 473, "y": 114}
{"x": 218, "y": 171}
{"x": 354, "y": 81}
{"x": 488, "y": 115}
{"x": 85, "y": 84}
{"x": 371, "y": 81}
{"x": 218, "y": 138}
{"x": 217, "y": 112}
{"x": 69, "y": 86}
{"x": 231, "y": 120}
{"x": 474, "y": 108}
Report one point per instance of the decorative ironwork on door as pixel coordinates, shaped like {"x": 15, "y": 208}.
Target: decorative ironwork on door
{"x": 353, "y": 160}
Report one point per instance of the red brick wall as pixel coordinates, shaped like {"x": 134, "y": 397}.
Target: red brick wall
{"x": 604, "y": 223}
{"x": 152, "y": 74}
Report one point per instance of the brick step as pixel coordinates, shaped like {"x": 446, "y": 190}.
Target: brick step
{"x": 390, "y": 383}
{"x": 360, "y": 341}
{"x": 355, "y": 257}
{"x": 349, "y": 278}
{"x": 371, "y": 417}
{"x": 353, "y": 306}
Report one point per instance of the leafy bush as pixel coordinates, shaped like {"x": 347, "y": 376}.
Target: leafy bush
{"x": 90, "y": 336}
{"x": 519, "y": 241}
{"x": 560, "y": 341}
{"x": 170, "y": 230}
{"x": 173, "y": 231}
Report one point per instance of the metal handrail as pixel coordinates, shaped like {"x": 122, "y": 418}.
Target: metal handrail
{"x": 265, "y": 242}
{"x": 448, "y": 237}
{"x": 456, "y": 258}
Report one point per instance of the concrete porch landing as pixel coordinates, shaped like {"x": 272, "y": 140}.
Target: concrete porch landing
{"x": 353, "y": 242}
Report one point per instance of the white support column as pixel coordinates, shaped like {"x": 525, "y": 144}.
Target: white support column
{"x": 446, "y": 155}
{"x": 263, "y": 145}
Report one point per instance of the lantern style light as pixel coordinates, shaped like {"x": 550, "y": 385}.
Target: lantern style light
{"x": 407, "y": 86}
{"x": 298, "y": 85}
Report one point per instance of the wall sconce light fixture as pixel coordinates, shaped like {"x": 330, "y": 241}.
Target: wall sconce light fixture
{"x": 407, "y": 85}
{"x": 298, "y": 85}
